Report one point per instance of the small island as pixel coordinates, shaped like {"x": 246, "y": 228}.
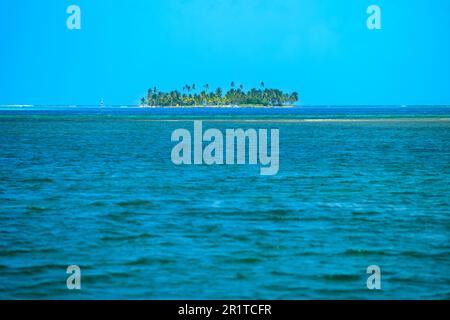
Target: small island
{"x": 235, "y": 96}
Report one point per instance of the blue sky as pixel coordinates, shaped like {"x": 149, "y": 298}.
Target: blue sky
{"x": 320, "y": 48}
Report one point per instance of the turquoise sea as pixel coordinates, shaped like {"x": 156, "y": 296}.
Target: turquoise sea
{"x": 357, "y": 186}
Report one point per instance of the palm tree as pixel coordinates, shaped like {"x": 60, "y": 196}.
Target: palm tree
{"x": 193, "y": 86}
{"x": 206, "y": 87}
{"x": 293, "y": 98}
{"x": 218, "y": 96}
{"x": 241, "y": 87}
{"x": 203, "y": 97}
{"x": 232, "y": 84}
{"x": 262, "y": 84}
{"x": 149, "y": 95}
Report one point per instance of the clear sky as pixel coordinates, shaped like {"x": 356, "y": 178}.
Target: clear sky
{"x": 320, "y": 48}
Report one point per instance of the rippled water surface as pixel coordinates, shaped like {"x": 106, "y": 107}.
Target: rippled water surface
{"x": 97, "y": 188}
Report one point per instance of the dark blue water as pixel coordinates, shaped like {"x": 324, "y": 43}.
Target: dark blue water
{"x": 306, "y": 111}
{"x": 97, "y": 188}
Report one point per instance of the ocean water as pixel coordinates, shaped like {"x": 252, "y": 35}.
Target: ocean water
{"x": 357, "y": 186}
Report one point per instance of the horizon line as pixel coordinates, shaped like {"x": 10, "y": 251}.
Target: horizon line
{"x": 27, "y": 105}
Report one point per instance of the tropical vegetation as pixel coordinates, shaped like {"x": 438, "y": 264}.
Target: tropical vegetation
{"x": 191, "y": 95}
